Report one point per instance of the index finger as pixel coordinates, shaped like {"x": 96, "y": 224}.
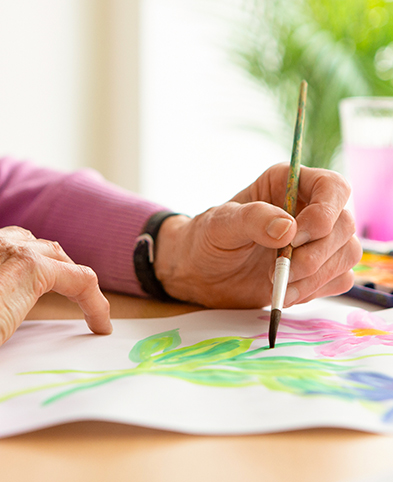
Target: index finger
{"x": 80, "y": 284}
{"x": 323, "y": 194}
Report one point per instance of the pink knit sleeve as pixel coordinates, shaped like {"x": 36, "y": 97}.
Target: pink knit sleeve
{"x": 94, "y": 221}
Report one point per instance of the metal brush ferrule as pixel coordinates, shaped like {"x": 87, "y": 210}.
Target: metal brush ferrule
{"x": 281, "y": 275}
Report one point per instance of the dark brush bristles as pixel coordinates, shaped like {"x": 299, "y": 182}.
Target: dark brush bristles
{"x": 275, "y": 317}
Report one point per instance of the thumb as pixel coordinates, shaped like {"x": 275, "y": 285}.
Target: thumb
{"x": 260, "y": 222}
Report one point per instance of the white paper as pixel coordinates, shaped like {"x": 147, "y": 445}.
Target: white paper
{"x": 332, "y": 367}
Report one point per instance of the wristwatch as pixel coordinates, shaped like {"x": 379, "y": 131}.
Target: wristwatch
{"x": 144, "y": 255}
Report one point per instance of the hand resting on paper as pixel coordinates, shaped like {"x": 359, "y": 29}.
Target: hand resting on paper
{"x": 30, "y": 267}
{"x": 224, "y": 258}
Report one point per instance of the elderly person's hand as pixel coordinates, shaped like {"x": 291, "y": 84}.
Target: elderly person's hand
{"x": 224, "y": 258}
{"x": 30, "y": 267}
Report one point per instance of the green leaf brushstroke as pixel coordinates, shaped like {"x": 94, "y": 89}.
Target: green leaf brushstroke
{"x": 224, "y": 362}
{"x": 144, "y": 349}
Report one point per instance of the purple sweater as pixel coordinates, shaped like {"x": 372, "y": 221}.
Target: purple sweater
{"x": 94, "y": 221}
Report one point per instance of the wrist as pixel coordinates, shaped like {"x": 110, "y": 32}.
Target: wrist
{"x": 169, "y": 263}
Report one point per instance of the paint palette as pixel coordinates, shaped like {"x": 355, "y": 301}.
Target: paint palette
{"x": 374, "y": 279}
{"x": 375, "y": 271}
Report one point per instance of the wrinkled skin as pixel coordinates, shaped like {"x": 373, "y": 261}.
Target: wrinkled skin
{"x": 224, "y": 258}
{"x": 30, "y": 267}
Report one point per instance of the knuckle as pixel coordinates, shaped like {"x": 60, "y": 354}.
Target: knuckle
{"x": 343, "y": 184}
{"x": 56, "y": 246}
{"x": 348, "y": 221}
{"x": 326, "y": 218}
{"x": 89, "y": 274}
{"x": 321, "y": 278}
{"x": 305, "y": 262}
{"x": 348, "y": 280}
{"x": 19, "y": 232}
{"x": 336, "y": 181}
{"x": 350, "y": 255}
{"x": 26, "y": 233}
{"x": 340, "y": 182}
{"x": 246, "y": 215}
{"x": 355, "y": 250}
{"x": 247, "y": 212}
{"x": 53, "y": 245}
{"x": 311, "y": 264}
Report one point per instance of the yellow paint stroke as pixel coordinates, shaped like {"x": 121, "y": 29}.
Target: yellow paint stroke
{"x": 369, "y": 332}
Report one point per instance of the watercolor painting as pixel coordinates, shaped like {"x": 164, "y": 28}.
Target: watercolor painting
{"x": 362, "y": 330}
{"x": 340, "y": 364}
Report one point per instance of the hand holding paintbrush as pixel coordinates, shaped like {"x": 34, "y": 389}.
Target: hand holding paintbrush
{"x": 284, "y": 255}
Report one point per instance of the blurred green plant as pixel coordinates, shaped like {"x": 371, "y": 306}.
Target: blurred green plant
{"x": 343, "y": 48}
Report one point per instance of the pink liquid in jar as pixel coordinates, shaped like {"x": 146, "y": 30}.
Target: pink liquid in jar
{"x": 371, "y": 177}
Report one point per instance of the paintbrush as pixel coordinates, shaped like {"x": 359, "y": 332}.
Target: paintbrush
{"x": 284, "y": 255}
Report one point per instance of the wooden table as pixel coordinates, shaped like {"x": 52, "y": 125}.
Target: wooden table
{"x": 98, "y": 451}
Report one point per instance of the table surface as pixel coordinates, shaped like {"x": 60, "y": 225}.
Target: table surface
{"x": 99, "y": 451}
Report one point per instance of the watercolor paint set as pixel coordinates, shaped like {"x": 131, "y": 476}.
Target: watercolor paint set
{"x": 374, "y": 279}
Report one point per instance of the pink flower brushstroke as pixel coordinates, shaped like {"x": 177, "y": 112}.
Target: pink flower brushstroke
{"x": 362, "y": 330}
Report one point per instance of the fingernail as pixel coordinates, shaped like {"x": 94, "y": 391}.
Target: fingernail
{"x": 302, "y": 237}
{"x": 278, "y": 227}
{"x": 110, "y": 327}
{"x": 291, "y": 296}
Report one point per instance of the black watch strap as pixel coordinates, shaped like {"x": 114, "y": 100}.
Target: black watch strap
{"x": 144, "y": 254}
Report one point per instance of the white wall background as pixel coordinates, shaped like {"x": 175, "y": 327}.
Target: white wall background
{"x": 69, "y": 84}
{"x": 197, "y": 107}
{"x": 142, "y": 90}
{"x": 39, "y": 91}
